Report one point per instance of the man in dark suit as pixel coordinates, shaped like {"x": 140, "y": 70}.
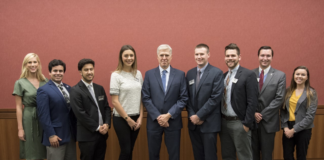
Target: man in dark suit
{"x": 56, "y": 116}
{"x": 90, "y": 106}
{"x": 272, "y": 86}
{"x": 164, "y": 96}
{"x": 205, "y": 90}
{"x": 238, "y": 107}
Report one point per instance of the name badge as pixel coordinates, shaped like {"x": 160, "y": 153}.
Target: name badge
{"x": 191, "y": 82}
{"x": 258, "y": 79}
{"x": 100, "y": 98}
{"x": 235, "y": 80}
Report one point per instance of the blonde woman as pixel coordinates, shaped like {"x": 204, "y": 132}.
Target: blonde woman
{"x": 125, "y": 90}
{"x": 25, "y": 89}
{"x": 297, "y": 115}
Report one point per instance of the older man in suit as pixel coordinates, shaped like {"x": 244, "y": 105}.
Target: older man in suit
{"x": 205, "y": 90}
{"x": 90, "y": 106}
{"x": 272, "y": 86}
{"x": 56, "y": 116}
{"x": 164, "y": 96}
{"x": 238, "y": 107}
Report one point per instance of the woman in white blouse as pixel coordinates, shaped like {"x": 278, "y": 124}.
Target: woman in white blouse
{"x": 125, "y": 90}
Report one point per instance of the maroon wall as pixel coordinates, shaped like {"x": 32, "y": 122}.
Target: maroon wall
{"x": 76, "y": 29}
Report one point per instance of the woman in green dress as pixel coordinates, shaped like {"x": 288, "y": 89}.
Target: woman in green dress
{"x": 29, "y": 130}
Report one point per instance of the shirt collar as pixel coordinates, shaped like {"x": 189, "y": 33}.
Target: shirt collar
{"x": 87, "y": 84}
{"x": 235, "y": 69}
{"x": 161, "y": 69}
{"x": 58, "y": 85}
{"x": 202, "y": 69}
{"x": 265, "y": 71}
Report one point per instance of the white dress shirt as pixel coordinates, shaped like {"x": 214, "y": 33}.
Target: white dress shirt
{"x": 167, "y": 75}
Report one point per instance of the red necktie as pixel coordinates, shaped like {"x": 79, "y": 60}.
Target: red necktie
{"x": 261, "y": 80}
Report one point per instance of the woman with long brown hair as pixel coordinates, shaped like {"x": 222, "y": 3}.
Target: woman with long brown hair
{"x": 125, "y": 90}
{"x": 25, "y": 89}
{"x": 297, "y": 114}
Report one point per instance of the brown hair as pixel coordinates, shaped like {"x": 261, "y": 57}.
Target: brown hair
{"x": 120, "y": 59}
{"x": 233, "y": 46}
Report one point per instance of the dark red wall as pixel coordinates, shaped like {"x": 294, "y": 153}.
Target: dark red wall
{"x": 75, "y": 29}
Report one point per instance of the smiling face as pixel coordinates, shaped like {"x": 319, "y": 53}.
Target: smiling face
{"x": 57, "y": 74}
{"x": 128, "y": 58}
{"x": 201, "y": 57}
{"x": 300, "y": 76}
{"x": 32, "y": 65}
{"x": 164, "y": 58}
{"x": 87, "y": 73}
{"x": 265, "y": 58}
{"x": 231, "y": 58}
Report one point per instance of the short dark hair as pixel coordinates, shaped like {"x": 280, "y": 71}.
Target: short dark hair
{"x": 83, "y": 62}
{"x": 233, "y": 46}
{"x": 56, "y": 62}
{"x": 265, "y": 47}
{"x": 202, "y": 45}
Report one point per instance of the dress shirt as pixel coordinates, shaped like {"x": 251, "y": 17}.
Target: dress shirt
{"x": 202, "y": 70}
{"x": 57, "y": 85}
{"x": 265, "y": 73}
{"x": 229, "y": 109}
{"x": 167, "y": 75}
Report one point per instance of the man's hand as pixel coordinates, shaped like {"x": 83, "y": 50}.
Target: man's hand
{"x": 258, "y": 117}
{"x": 163, "y": 119}
{"x": 289, "y": 132}
{"x": 200, "y": 123}
{"x": 246, "y": 128}
{"x": 103, "y": 129}
{"x": 194, "y": 119}
{"x": 166, "y": 125}
{"x": 54, "y": 140}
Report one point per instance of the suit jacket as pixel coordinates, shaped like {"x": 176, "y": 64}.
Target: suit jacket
{"x": 205, "y": 102}
{"x": 86, "y": 111}
{"x": 244, "y": 96}
{"x": 54, "y": 114}
{"x": 304, "y": 117}
{"x": 271, "y": 98}
{"x": 157, "y": 103}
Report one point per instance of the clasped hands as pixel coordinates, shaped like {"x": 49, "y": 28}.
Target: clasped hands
{"x": 289, "y": 132}
{"x": 103, "y": 129}
{"x": 195, "y": 120}
{"x": 258, "y": 117}
{"x": 163, "y": 119}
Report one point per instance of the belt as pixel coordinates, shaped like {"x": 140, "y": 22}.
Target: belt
{"x": 230, "y": 118}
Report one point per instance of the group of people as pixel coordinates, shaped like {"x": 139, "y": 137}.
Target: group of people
{"x": 241, "y": 105}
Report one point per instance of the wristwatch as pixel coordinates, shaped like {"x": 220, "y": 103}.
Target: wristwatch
{"x": 126, "y": 118}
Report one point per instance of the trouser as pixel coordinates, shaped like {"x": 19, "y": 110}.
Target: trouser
{"x": 262, "y": 142}
{"x": 64, "y": 152}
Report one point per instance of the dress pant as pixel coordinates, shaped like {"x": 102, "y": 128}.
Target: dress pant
{"x": 235, "y": 141}
{"x": 64, "y": 152}
{"x": 203, "y": 144}
{"x": 126, "y": 137}
{"x": 171, "y": 139}
{"x": 93, "y": 150}
{"x": 262, "y": 142}
{"x": 300, "y": 140}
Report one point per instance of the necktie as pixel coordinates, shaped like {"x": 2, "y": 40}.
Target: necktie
{"x": 94, "y": 98}
{"x": 164, "y": 79}
{"x": 261, "y": 79}
{"x": 225, "y": 91}
{"x": 198, "y": 79}
{"x": 65, "y": 95}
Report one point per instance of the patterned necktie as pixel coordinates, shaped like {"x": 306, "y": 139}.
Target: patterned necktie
{"x": 65, "y": 95}
{"x": 198, "y": 79}
{"x": 94, "y": 98}
{"x": 225, "y": 91}
{"x": 164, "y": 80}
{"x": 261, "y": 80}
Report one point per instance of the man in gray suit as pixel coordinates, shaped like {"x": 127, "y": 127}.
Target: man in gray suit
{"x": 272, "y": 86}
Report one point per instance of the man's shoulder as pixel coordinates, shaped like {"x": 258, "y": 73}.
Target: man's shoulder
{"x": 177, "y": 71}
{"x": 214, "y": 69}
{"x": 278, "y": 72}
{"x": 247, "y": 71}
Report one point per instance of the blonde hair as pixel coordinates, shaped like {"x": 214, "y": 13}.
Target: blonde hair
{"x": 24, "y": 71}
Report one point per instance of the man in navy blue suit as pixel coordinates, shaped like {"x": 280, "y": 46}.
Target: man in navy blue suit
{"x": 164, "y": 96}
{"x": 56, "y": 116}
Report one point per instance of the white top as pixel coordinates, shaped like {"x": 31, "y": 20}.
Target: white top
{"x": 229, "y": 111}
{"x": 167, "y": 74}
{"x": 128, "y": 88}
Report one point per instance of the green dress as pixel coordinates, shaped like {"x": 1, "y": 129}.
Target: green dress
{"x": 32, "y": 148}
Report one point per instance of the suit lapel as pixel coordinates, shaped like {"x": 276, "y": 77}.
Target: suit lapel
{"x": 237, "y": 76}
{"x": 301, "y": 99}
{"x": 56, "y": 89}
{"x": 194, "y": 84}
{"x": 268, "y": 79}
{"x": 159, "y": 78}
{"x": 205, "y": 74}
{"x": 86, "y": 91}
{"x": 256, "y": 71}
{"x": 171, "y": 77}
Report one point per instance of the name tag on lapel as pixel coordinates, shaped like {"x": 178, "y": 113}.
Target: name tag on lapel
{"x": 235, "y": 80}
{"x": 258, "y": 79}
{"x": 191, "y": 82}
{"x": 100, "y": 98}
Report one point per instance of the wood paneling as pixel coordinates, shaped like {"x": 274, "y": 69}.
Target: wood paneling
{"x": 9, "y": 143}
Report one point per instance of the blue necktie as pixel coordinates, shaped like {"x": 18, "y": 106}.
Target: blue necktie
{"x": 164, "y": 79}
